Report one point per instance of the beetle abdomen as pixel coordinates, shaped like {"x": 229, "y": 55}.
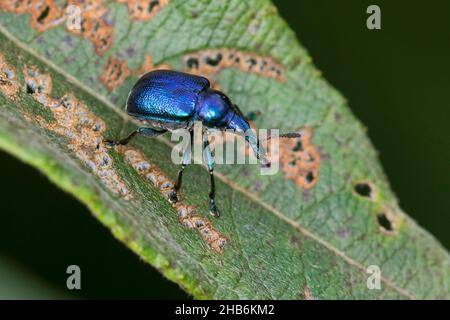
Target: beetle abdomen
{"x": 165, "y": 95}
{"x": 170, "y": 77}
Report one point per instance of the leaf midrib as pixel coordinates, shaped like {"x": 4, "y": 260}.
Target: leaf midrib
{"x": 223, "y": 178}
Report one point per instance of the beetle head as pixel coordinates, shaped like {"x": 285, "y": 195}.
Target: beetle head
{"x": 216, "y": 110}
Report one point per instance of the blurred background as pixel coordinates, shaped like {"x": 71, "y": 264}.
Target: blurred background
{"x": 397, "y": 81}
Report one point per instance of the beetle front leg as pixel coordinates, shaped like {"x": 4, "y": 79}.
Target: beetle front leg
{"x": 145, "y": 131}
{"x": 173, "y": 196}
{"x": 210, "y": 162}
{"x": 212, "y": 204}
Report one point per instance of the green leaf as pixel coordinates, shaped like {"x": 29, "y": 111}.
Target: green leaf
{"x": 309, "y": 232}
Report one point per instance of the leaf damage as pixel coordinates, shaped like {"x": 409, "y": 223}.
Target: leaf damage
{"x": 387, "y": 218}
{"x": 212, "y": 61}
{"x": 116, "y": 71}
{"x": 159, "y": 180}
{"x": 46, "y": 14}
{"x": 9, "y": 84}
{"x": 73, "y": 120}
{"x": 114, "y": 74}
{"x": 144, "y": 10}
{"x": 94, "y": 25}
{"x": 300, "y": 159}
{"x": 379, "y": 213}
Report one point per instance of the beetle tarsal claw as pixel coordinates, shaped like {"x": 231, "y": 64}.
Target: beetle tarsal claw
{"x": 266, "y": 165}
{"x": 173, "y": 196}
{"x": 109, "y": 143}
{"x": 214, "y": 211}
{"x": 264, "y": 162}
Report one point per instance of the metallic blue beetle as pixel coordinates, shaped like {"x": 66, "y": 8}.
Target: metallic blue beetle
{"x": 172, "y": 100}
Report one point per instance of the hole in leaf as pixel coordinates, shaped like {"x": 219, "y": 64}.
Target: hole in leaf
{"x": 30, "y": 88}
{"x": 214, "y": 61}
{"x": 252, "y": 63}
{"x": 384, "y": 222}
{"x": 363, "y": 189}
{"x": 153, "y": 4}
{"x": 310, "y": 177}
{"x": 298, "y": 146}
{"x": 192, "y": 63}
{"x": 43, "y": 14}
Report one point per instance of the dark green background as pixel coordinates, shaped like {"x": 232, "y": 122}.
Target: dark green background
{"x": 397, "y": 81}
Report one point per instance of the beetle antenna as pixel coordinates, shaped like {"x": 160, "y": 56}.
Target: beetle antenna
{"x": 290, "y": 135}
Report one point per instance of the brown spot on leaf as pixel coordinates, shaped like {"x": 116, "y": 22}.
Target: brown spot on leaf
{"x": 94, "y": 26}
{"x": 45, "y": 14}
{"x": 116, "y": 71}
{"x": 185, "y": 212}
{"x": 148, "y": 66}
{"x": 9, "y": 84}
{"x": 16, "y": 6}
{"x": 80, "y": 126}
{"x": 37, "y": 84}
{"x": 300, "y": 159}
{"x": 114, "y": 74}
{"x": 144, "y": 10}
{"x": 212, "y": 61}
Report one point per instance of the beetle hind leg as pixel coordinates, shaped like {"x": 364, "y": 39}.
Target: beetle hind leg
{"x": 210, "y": 162}
{"x": 124, "y": 141}
{"x": 149, "y": 132}
{"x": 173, "y": 195}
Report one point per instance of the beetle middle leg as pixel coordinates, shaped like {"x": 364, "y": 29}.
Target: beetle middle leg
{"x": 143, "y": 130}
{"x": 173, "y": 196}
{"x": 210, "y": 162}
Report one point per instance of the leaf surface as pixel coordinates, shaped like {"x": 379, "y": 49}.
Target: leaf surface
{"x": 311, "y": 231}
